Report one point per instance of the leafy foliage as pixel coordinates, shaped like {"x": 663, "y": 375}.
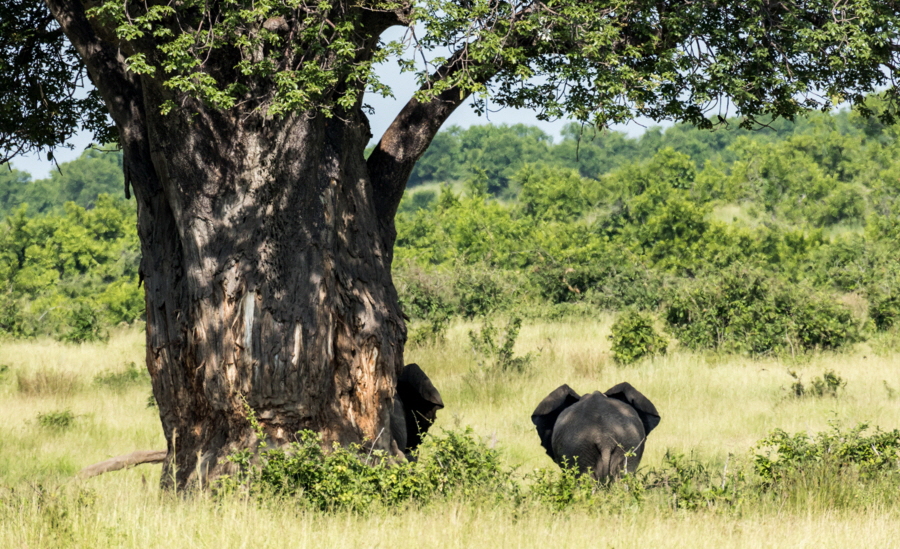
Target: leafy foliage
{"x": 742, "y": 309}
{"x": 781, "y": 455}
{"x": 41, "y": 81}
{"x": 497, "y": 355}
{"x": 351, "y": 478}
{"x": 57, "y": 421}
{"x": 634, "y": 337}
{"x": 71, "y": 274}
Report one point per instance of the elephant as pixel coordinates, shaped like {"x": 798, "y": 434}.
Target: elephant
{"x": 599, "y": 433}
{"x": 416, "y": 403}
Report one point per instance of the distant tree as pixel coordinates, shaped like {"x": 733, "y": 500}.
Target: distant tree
{"x": 12, "y": 185}
{"x": 442, "y": 161}
{"x": 82, "y": 180}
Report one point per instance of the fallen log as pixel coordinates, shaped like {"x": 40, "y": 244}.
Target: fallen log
{"x": 122, "y": 462}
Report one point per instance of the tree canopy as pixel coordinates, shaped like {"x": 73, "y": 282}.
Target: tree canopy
{"x": 599, "y": 62}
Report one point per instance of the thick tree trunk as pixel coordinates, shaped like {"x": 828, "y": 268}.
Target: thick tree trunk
{"x": 268, "y": 287}
{"x": 266, "y": 247}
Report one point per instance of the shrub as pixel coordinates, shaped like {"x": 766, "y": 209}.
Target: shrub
{"x": 744, "y": 310}
{"x": 481, "y": 290}
{"x": 613, "y": 284}
{"x": 351, "y": 478}
{"x": 782, "y": 456}
{"x": 424, "y": 296}
{"x": 633, "y": 337}
{"x": 85, "y": 324}
{"x": 121, "y": 380}
{"x": 57, "y": 421}
{"x": 563, "y": 488}
{"x": 691, "y": 484}
{"x": 884, "y": 308}
{"x": 827, "y": 385}
{"x": 494, "y": 355}
{"x": 823, "y": 324}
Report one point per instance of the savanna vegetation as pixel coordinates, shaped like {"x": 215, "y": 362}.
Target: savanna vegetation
{"x": 740, "y": 459}
{"x": 776, "y": 241}
{"x": 243, "y": 127}
{"x": 758, "y": 316}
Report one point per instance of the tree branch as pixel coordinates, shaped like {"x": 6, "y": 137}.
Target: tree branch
{"x": 120, "y": 90}
{"x": 105, "y": 64}
{"x": 409, "y": 135}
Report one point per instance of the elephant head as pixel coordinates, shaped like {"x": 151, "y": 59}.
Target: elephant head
{"x": 415, "y": 408}
{"x": 600, "y": 433}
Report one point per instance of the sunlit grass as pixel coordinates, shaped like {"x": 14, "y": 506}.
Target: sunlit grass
{"x": 714, "y": 407}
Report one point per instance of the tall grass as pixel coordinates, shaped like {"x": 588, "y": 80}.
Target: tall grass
{"x": 714, "y": 409}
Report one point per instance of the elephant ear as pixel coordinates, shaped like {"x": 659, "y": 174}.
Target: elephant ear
{"x": 641, "y": 404}
{"x": 544, "y": 416}
{"x": 421, "y": 401}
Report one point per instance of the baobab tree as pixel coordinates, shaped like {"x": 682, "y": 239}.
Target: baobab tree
{"x": 266, "y": 233}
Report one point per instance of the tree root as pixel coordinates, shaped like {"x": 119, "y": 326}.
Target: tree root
{"x": 123, "y": 462}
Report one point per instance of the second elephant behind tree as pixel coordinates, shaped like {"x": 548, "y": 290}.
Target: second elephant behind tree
{"x": 599, "y": 433}
{"x": 416, "y": 403}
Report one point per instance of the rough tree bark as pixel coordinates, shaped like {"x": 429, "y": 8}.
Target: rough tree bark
{"x": 267, "y": 248}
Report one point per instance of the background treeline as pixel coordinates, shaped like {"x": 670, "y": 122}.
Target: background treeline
{"x": 783, "y": 238}
{"x": 776, "y": 240}
{"x": 69, "y": 252}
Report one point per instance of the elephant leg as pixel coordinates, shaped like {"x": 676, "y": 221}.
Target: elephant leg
{"x": 398, "y": 426}
{"x": 614, "y": 461}
{"x": 604, "y": 467}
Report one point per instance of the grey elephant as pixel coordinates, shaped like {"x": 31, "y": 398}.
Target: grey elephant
{"x": 599, "y": 433}
{"x": 415, "y": 408}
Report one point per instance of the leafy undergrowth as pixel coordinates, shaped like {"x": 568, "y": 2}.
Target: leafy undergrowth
{"x": 838, "y": 468}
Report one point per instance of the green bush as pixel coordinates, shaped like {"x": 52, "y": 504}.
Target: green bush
{"x": 884, "y": 301}
{"x": 823, "y": 324}
{"x": 121, "y": 380}
{"x": 481, "y": 290}
{"x": 782, "y": 456}
{"x": 424, "y": 294}
{"x": 741, "y": 309}
{"x": 425, "y": 297}
{"x": 563, "y": 488}
{"x": 612, "y": 284}
{"x": 352, "y": 478}
{"x": 57, "y": 421}
{"x": 633, "y": 337}
{"x": 495, "y": 355}
{"x": 692, "y": 484}
{"x": 85, "y": 324}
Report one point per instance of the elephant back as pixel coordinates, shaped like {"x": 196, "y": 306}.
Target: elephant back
{"x": 598, "y": 433}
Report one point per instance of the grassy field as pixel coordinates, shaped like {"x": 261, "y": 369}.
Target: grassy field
{"x": 63, "y": 407}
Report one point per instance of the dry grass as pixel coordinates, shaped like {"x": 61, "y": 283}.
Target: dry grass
{"x": 120, "y": 510}
{"x": 48, "y": 383}
{"x": 711, "y": 406}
